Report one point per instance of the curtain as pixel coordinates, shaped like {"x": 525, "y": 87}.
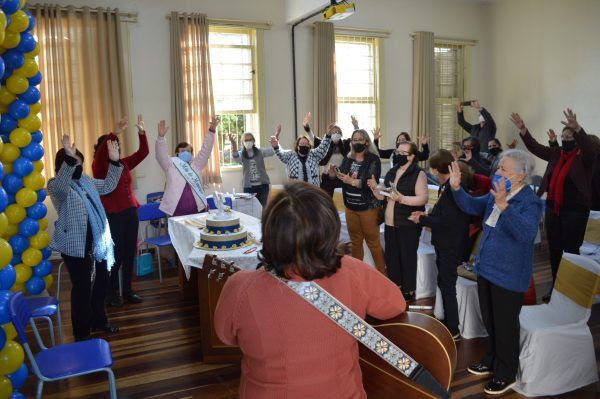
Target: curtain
{"x": 84, "y": 89}
{"x": 325, "y": 97}
{"x": 191, "y": 87}
{"x": 423, "y": 98}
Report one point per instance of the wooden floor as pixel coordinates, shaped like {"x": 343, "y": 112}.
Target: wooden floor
{"x": 157, "y": 352}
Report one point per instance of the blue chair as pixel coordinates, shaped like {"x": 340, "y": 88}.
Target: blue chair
{"x": 212, "y": 205}
{"x": 154, "y": 197}
{"x": 150, "y": 212}
{"x": 62, "y": 361}
{"x": 45, "y": 308}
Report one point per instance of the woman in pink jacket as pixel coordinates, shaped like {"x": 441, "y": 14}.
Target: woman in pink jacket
{"x": 184, "y": 194}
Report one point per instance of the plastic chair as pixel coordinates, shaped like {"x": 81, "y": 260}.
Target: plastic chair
{"x": 149, "y": 212}
{"x": 154, "y": 197}
{"x": 212, "y": 205}
{"x": 44, "y": 308}
{"x": 62, "y": 361}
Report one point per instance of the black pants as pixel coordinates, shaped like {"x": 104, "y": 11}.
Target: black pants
{"x": 447, "y": 260}
{"x": 401, "y": 244}
{"x": 262, "y": 193}
{"x": 328, "y": 184}
{"x": 89, "y": 282}
{"x": 565, "y": 233}
{"x": 124, "y": 231}
{"x": 500, "y": 310}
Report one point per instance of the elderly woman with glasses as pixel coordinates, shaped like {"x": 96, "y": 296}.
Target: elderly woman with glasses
{"x": 511, "y": 212}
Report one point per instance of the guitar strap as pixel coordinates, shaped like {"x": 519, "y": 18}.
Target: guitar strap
{"x": 364, "y": 333}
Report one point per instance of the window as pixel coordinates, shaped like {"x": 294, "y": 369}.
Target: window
{"x": 234, "y": 81}
{"x": 357, "y": 70}
{"x": 449, "y": 91}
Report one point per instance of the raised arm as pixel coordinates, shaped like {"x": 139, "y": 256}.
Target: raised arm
{"x": 384, "y": 154}
{"x": 424, "y": 154}
{"x": 584, "y": 143}
{"x": 489, "y": 120}
{"x": 60, "y": 185}
{"x": 540, "y": 151}
{"x": 107, "y": 185}
{"x": 137, "y": 157}
{"x": 201, "y": 159}
{"x": 461, "y": 119}
{"x": 284, "y": 156}
{"x": 235, "y": 154}
{"x": 321, "y": 151}
{"x": 308, "y": 131}
{"x": 162, "y": 152}
{"x": 471, "y": 205}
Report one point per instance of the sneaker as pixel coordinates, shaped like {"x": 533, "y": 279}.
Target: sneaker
{"x": 479, "y": 369}
{"x": 498, "y": 387}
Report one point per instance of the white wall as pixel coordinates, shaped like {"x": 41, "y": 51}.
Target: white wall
{"x": 545, "y": 57}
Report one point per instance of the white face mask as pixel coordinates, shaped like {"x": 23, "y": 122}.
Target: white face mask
{"x": 481, "y": 119}
{"x": 248, "y": 145}
{"x": 336, "y": 137}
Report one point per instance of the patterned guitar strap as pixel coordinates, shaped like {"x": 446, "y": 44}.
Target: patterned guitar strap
{"x": 364, "y": 333}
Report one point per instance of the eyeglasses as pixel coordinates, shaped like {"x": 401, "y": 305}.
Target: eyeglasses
{"x": 359, "y": 140}
{"x": 467, "y": 147}
{"x": 403, "y": 153}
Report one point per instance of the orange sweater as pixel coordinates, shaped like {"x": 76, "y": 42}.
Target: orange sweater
{"x": 290, "y": 349}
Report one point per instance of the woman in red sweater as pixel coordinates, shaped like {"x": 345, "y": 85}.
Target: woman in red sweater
{"x": 290, "y": 349}
{"x": 121, "y": 210}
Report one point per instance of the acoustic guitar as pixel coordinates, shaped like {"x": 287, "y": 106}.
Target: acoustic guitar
{"x": 420, "y": 336}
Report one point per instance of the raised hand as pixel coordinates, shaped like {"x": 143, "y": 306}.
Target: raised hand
{"x": 162, "y": 128}
{"x": 354, "y": 122}
{"x": 306, "y": 121}
{"x": 214, "y": 122}
{"x": 277, "y": 131}
{"x": 140, "y": 125}
{"x": 331, "y": 128}
{"x": 516, "y": 119}
{"x": 376, "y": 133}
{"x": 571, "y": 120}
{"x": 231, "y": 138}
{"x": 423, "y": 139}
{"x": 455, "y": 176}
{"x": 512, "y": 144}
{"x": 121, "y": 126}
{"x": 551, "y": 136}
{"x": 69, "y": 147}
{"x": 113, "y": 150}
{"x": 475, "y": 104}
{"x": 459, "y": 108}
{"x": 274, "y": 142}
{"x": 372, "y": 183}
{"x": 500, "y": 194}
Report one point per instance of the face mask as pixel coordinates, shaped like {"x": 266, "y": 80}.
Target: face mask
{"x": 569, "y": 146}
{"x": 336, "y": 137}
{"x": 481, "y": 119}
{"x": 359, "y": 147}
{"x": 496, "y": 180}
{"x": 185, "y": 156}
{"x": 78, "y": 171}
{"x": 401, "y": 160}
{"x": 248, "y": 145}
{"x": 495, "y": 151}
{"x": 303, "y": 149}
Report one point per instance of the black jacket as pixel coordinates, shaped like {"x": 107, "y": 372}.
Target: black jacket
{"x": 422, "y": 155}
{"x": 371, "y": 166}
{"x": 343, "y": 145}
{"x": 483, "y": 134}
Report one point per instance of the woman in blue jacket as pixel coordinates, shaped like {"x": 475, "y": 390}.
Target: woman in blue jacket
{"x": 511, "y": 213}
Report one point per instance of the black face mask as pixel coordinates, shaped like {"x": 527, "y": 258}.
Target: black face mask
{"x": 77, "y": 173}
{"x": 303, "y": 149}
{"x": 569, "y": 146}
{"x": 400, "y": 160}
{"x": 495, "y": 151}
{"x": 359, "y": 147}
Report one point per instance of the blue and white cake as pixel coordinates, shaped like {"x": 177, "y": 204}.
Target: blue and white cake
{"x": 223, "y": 234}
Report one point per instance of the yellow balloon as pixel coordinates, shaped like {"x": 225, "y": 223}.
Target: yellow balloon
{"x": 10, "y": 152}
{"x": 15, "y": 213}
{"x": 6, "y": 252}
{"x": 20, "y": 137}
{"x": 35, "y": 109}
{"x": 38, "y": 165}
{"x": 11, "y": 230}
{"x": 1, "y": 145}
{"x": 23, "y": 273}
{"x": 26, "y": 197}
{"x": 11, "y": 40}
{"x": 31, "y": 256}
{"x": 31, "y": 122}
{"x": 43, "y": 223}
{"x": 6, "y": 97}
{"x": 9, "y": 330}
{"x": 34, "y": 53}
{"x": 18, "y": 22}
{"x": 22, "y": 3}
{"x": 34, "y": 181}
{"x": 17, "y": 84}
{"x": 6, "y": 388}
{"x": 30, "y": 68}
{"x": 3, "y": 224}
{"x": 18, "y": 287}
{"x": 11, "y": 357}
{"x": 2, "y": 20}
{"x": 48, "y": 280}
{"x": 7, "y": 168}
{"x": 40, "y": 240}
{"x": 3, "y": 108}
{"x": 2, "y": 48}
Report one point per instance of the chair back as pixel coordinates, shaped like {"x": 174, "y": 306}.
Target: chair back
{"x": 150, "y": 212}
{"x": 154, "y": 197}
{"x": 592, "y": 230}
{"x": 212, "y": 204}
{"x": 20, "y": 314}
{"x": 575, "y": 288}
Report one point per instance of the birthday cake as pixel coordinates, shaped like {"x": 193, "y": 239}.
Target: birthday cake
{"x": 223, "y": 234}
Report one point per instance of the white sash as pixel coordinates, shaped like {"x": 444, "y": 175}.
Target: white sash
{"x": 190, "y": 176}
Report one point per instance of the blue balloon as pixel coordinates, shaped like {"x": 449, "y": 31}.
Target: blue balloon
{"x": 31, "y": 23}
{"x": 18, "y": 395}
{"x": 8, "y": 276}
{"x": 12, "y": 183}
{"x": 18, "y": 109}
{"x": 13, "y": 58}
{"x": 10, "y": 7}
{"x": 2, "y": 338}
{"x": 46, "y": 252}
{"x": 37, "y": 211}
{"x": 5, "y": 137}
{"x": 4, "y": 311}
{"x": 7, "y": 124}
{"x": 35, "y": 79}
{"x": 30, "y": 96}
{"x": 19, "y": 377}
{"x": 22, "y": 167}
{"x": 2, "y": 66}
{"x": 19, "y": 243}
{"x": 27, "y": 43}
{"x": 35, "y": 285}
{"x": 1, "y": 171}
{"x": 42, "y": 269}
{"x": 3, "y": 199}
{"x": 36, "y": 136}
{"x": 7, "y": 74}
{"x": 11, "y": 198}
{"x": 28, "y": 227}
{"x": 33, "y": 151}
{"x": 41, "y": 195}
{"x": 16, "y": 259}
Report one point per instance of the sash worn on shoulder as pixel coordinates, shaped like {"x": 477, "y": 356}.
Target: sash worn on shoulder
{"x": 190, "y": 176}
{"x": 363, "y": 332}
